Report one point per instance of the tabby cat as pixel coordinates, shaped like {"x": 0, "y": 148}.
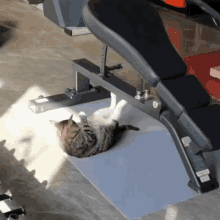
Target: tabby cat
{"x": 90, "y": 136}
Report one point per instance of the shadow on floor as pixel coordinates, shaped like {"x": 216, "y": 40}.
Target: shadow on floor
{"x": 38, "y": 201}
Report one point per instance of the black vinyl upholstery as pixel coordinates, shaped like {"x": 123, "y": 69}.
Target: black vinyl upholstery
{"x": 134, "y": 29}
{"x": 128, "y": 19}
{"x": 187, "y": 93}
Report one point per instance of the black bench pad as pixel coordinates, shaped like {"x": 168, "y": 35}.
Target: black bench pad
{"x": 134, "y": 29}
{"x": 136, "y": 22}
{"x": 184, "y": 92}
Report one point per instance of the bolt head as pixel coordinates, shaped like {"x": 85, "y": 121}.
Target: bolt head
{"x": 155, "y": 104}
{"x": 67, "y": 90}
{"x": 138, "y": 97}
{"x": 93, "y": 89}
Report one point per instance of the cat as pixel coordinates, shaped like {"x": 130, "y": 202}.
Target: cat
{"x": 92, "y": 135}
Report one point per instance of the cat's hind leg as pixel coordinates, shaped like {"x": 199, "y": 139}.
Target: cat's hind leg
{"x": 107, "y": 112}
{"x": 122, "y": 109}
{"x": 113, "y": 101}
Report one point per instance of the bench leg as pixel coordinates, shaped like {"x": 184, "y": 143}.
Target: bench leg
{"x": 200, "y": 179}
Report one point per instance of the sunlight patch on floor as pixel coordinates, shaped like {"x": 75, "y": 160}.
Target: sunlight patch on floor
{"x": 33, "y": 137}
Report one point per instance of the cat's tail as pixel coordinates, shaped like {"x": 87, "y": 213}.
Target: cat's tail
{"x": 123, "y": 128}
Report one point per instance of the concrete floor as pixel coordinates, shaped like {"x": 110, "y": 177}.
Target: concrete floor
{"x": 34, "y": 51}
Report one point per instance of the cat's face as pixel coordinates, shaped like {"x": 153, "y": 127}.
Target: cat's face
{"x": 66, "y": 128}
{"x": 62, "y": 124}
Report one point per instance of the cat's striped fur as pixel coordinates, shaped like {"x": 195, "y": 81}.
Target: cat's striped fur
{"x": 89, "y": 137}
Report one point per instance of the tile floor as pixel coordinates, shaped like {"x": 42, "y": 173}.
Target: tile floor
{"x": 34, "y": 51}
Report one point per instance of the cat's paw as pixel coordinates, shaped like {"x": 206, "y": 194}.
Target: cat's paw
{"x": 83, "y": 117}
{"x": 82, "y": 114}
{"x": 122, "y": 110}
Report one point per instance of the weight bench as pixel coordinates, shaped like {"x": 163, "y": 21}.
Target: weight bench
{"x": 136, "y": 32}
{"x": 134, "y": 29}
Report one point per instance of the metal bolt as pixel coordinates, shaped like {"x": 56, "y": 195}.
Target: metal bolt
{"x": 94, "y": 89}
{"x": 155, "y": 104}
{"x": 72, "y": 93}
{"x": 67, "y": 90}
{"x": 139, "y": 95}
{"x": 139, "y": 92}
{"x": 146, "y": 94}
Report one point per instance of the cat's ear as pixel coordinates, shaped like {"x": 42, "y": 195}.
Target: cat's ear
{"x": 70, "y": 121}
{"x": 55, "y": 123}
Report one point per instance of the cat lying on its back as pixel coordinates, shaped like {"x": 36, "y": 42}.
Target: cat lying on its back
{"x": 92, "y": 135}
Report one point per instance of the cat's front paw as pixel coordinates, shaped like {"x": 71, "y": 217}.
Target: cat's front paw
{"x": 82, "y": 113}
{"x": 122, "y": 110}
{"x": 83, "y": 117}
